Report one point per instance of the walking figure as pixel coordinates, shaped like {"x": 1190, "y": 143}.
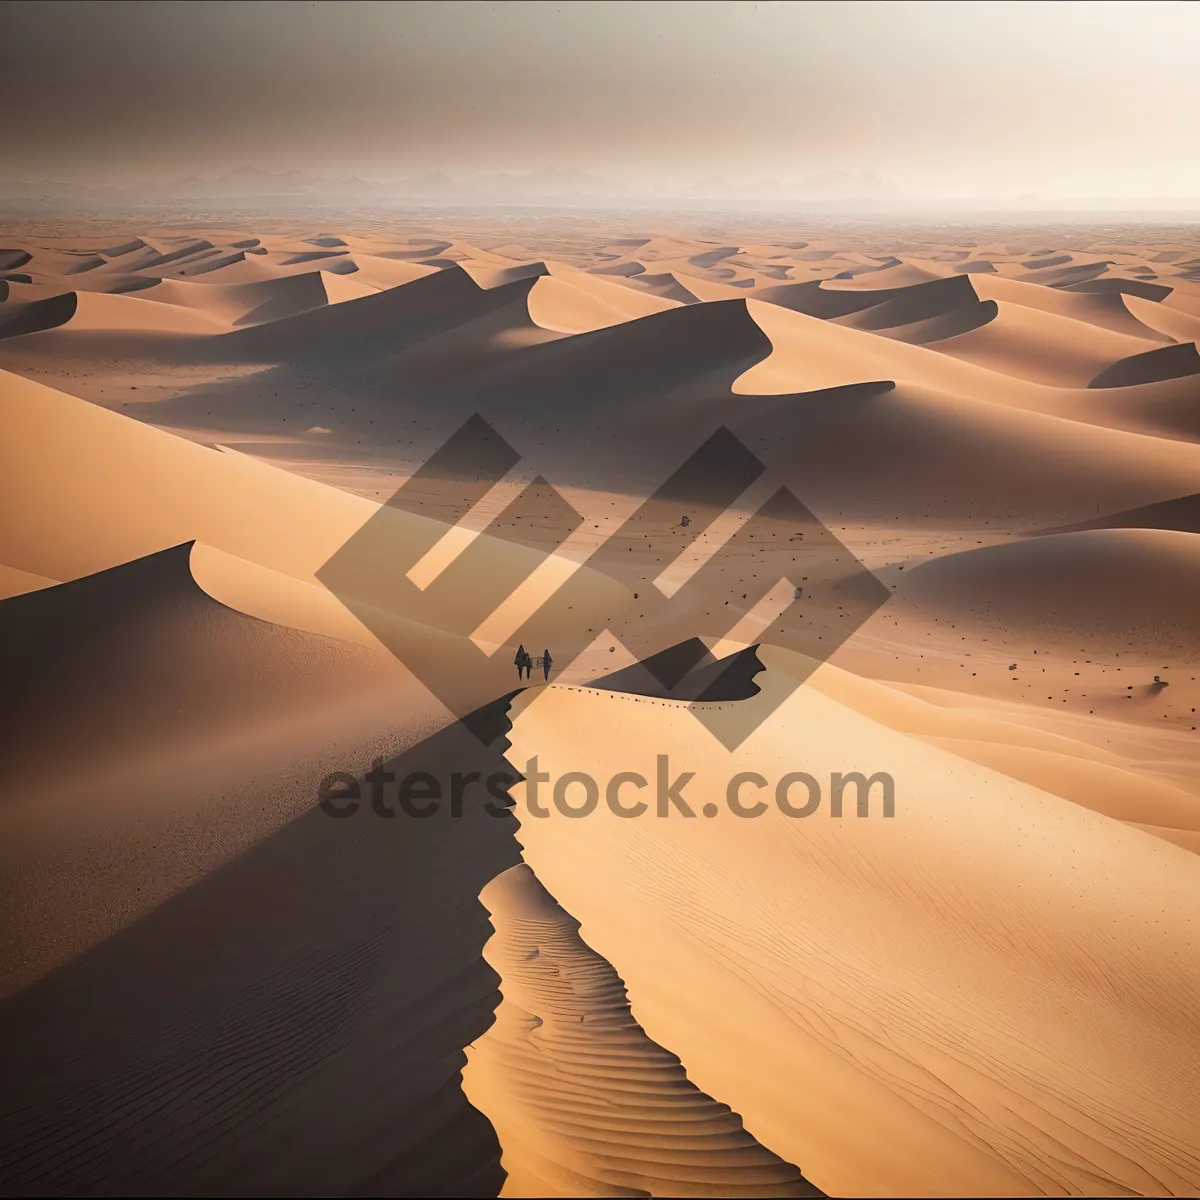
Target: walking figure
{"x": 547, "y": 661}
{"x": 522, "y": 661}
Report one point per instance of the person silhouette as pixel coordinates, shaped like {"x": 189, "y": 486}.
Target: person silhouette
{"x": 521, "y": 660}
{"x": 547, "y": 662}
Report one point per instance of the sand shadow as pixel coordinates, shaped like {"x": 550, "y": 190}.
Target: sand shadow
{"x": 292, "y": 1024}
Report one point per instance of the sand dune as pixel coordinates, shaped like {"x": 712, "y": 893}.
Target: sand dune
{"x": 680, "y": 359}
{"x": 72, "y": 648}
{"x": 952, "y": 324}
{"x": 93, "y": 312}
{"x": 208, "y": 263}
{"x": 710, "y": 258}
{"x": 896, "y": 274}
{"x": 1064, "y": 276}
{"x": 10, "y": 259}
{"x": 381, "y": 272}
{"x": 426, "y": 249}
{"x": 347, "y": 1014}
{"x": 810, "y": 354}
{"x": 417, "y": 319}
{"x": 388, "y": 322}
{"x": 1042, "y": 347}
{"x": 215, "y": 987}
{"x": 1109, "y": 310}
{"x": 307, "y": 256}
{"x": 706, "y": 288}
{"x": 569, "y": 1075}
{"x": 623, "y": 269}
{"x": 1068, "y": 355}
{"x": 17, "y": 318}
{"x": 1170, "y": 322}
{"x": 873, "y": 308}
{"x": 1055, "y": 260}
{"x": 1166, "y": 409}
{"x": 1123, "y": 287}
{"x": 173, "y": 835}
{"x": 814, "y": 300}
{"x": 799, "y": 987}
{"x": 1184, "y": 301}
{"x": 175, "y": 258}
{"x": 488, "y": 276}
{"x": 132, "y": 674}
{"x": 573, "y": 304}
{"x": 916, "y": 303}
{"x": 83, "y": 262}
{"x": 1092, "y": 777}
{"x": 95, "y": 469}
{"x": 1074, "y": 587}
{"x": 856, "y": 448}
{"x": 266, "y": 300}
{"x": 124, "y": 248}
{"x": 665, "y": 286}
{"x": 1151, "y": 366}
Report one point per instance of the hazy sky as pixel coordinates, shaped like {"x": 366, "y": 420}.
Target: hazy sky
{"x": 944, "y": 98}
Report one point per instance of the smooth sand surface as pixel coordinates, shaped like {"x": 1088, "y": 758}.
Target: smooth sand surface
{"x": 937, "y": 974}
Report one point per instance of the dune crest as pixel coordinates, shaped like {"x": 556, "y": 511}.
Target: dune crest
{"x": 566, "y": 1073}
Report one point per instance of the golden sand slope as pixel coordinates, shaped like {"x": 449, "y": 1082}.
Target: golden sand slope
{"x": 160, "y": 735}
{"x": 82, "y": 488}
{"x": 583, "y": 1101}
{"x": 1077, "y": 588}
{"x": 1015, "y": 740}
{"x": 946, "y": 1002}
